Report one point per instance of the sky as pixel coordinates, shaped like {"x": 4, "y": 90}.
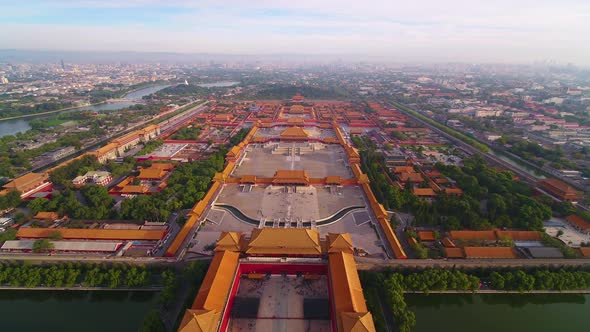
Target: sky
{"x": 475, "y": 31}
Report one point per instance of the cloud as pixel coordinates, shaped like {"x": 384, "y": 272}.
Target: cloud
{"x": 499, "y": 30}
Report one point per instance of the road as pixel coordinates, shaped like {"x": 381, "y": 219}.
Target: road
{"x": 171, "y": 125}
{"x": 532, "y": 180}
{"x": 187, "y": 113}
{"x": 33, "y": 258}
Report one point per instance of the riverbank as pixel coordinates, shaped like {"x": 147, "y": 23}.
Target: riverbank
{"x": 87, "y": 289}
{"x": 492, "y": 312}
{"x": 70, "y": 311}
{"x": 13, "y": 125}
{"x": 48, "y": 112}
{"x": 494, "y": 291}
{"x": 121, "y": 94}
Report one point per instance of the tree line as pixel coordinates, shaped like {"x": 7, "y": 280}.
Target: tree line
{"x": 471, "y": 141}
{"x": 79, "y": 274}
{"x": 523, "y": 281}
{"x": 187, "y": 133}
{"x": 373, "y": 164}
{"x": 149, "y": 147}
{"x": 506, "y": 202}
{"x": 192, "y": 276}
{"x": 9, "y": 111}
{"x": 491, "y": 198}
{"x": 10, "y": 200}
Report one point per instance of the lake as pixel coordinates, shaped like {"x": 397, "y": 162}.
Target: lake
{"x": 500, "y": 312}
{"x": 11, "y": 127}
{"x": 73, "y": 311}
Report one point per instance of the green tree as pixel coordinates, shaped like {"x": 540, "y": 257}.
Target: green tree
{"x": 55, "y": 235}
{"x": 42, "y": 245}
{"x": 37, "y": 205}
{"x": 152, "y": 322}
{"x": 9, "y": 234}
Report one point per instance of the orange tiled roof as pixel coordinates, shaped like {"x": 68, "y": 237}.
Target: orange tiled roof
{"x": 346, "y": 286}
{"x": 426, "y": 236}
{"x": 217, "y": 283}
{"x": 585, "y": 252}
{"x": 520, "y": 235}
{"x": 234, "y": 151}
{"x": 248, "y": 179}
{"x": 284, "y": 241}
{"x": 423, "y": 192}
{"x": 578, "y": 222}
{"x": 151, "y": 173}
{"x": 205, "y": 313}
{"x": 402, "y": 169}
{"x": 562, "y": 186}
{"x": 46, "y": 216}
{"x": 448, "y": 243}
{"x": 229, "y": 241}
{"x": 106, "y": 149}
{"x": 296, "y": 120}
{"x": 452, "y": 191}
{"x": 473, "y": 235}
{"x": 26, "y": 182}
{"x": 333, "y": 180}
{"x": 489, "y": 252}
{"x": 199, "y": 321}
{"x": 95, "y": 234}
{"x": 340, "y": 242}
{"x": 294, "y": 133}
{"x": 290, "y": 177}
{"x": 134, "y": 189}
{"x": 357, "y": 322}
{"x": 410, "y": 176}
{"x": 454, "y": 253}
{"x": 163, "y": 166}
{"x": 297, "y": 109}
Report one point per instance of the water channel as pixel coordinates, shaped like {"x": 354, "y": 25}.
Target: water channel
{"x": 114, "y": 311}
{"x": 500, "y": 312}
{"x": 11, "y": 127}
{"x": 73, "y": 311}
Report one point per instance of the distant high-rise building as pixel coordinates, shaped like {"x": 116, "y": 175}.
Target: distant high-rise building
{"x": 63, "y": 66}
{"x": 3, "y": 80}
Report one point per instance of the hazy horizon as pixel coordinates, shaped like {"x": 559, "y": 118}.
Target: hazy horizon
{"x": 516, "y": 31}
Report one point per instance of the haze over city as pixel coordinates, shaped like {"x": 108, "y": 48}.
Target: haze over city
{"x": 502, "y": 31}
{"x": 324, "y": 166}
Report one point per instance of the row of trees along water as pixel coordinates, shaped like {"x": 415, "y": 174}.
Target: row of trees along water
{"x": 80, "y": 274}
{"x": 384, "y": 291}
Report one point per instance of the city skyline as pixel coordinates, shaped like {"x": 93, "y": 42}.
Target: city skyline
{"x": 520, "y": 31}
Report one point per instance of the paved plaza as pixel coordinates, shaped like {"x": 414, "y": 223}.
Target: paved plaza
{"x": 313, "y": 132}
{"x": 304, "y": 203}
{"x": 571, "y": 236}
{"x": 264, "y": 160}
{"x": 281, "y": 304}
